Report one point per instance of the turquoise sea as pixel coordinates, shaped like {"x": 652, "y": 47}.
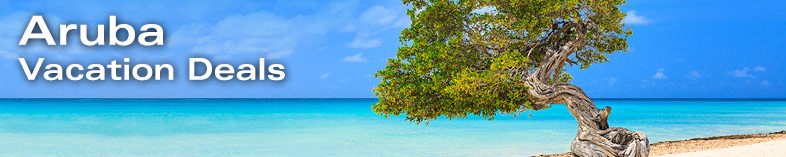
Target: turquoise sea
{"x": 339, "y": 127}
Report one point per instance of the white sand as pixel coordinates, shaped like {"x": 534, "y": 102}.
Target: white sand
{"x": 771, "y": 148}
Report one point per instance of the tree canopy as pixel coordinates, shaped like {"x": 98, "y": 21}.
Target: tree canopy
{"x": 472, "y": 57}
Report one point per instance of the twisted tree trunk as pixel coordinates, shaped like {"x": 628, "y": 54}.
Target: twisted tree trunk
{"x": 594, "y": 138}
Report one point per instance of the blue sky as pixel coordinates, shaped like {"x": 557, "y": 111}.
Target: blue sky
{"x": 682, "y": 49}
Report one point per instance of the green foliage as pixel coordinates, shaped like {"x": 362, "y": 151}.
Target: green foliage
{"x": 455, "y": 60}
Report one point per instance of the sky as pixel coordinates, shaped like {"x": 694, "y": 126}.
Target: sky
{"x": 679, "y": 49}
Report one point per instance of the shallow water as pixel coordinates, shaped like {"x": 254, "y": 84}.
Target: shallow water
{"x": 337, "y": 127}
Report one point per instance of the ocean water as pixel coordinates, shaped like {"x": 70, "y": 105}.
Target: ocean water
{"x": 338, "y": 127}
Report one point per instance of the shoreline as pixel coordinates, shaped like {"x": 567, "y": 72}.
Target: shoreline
{"x": 703, "y": 144}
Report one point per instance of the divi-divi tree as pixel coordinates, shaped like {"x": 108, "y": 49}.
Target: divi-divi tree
{"x": 489, "y": 57}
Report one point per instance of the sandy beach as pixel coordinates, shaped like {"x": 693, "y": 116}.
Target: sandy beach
{"x": 771, "y": 148}
{"x": 766, "y": 144}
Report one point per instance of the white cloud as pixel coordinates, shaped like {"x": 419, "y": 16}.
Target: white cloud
{"x": 262, "y": 32}
{"x": 378, "y": 15}
{"x": 759, "y": 69}
{"x": 745, "y": 72}
{"x": 9, "y": 55}
{"x": 365, "y": 43}
{"x": 403, "y": 21}
{"x": 324, "y": 76}
{"x": 694, "y": 74}
{"x": 259, "y": 32}
{"x": 357, "y": 58}
{"x": 742, "y": 73}
{"x": 373, "y": 21}
{"x": 632, "y": 18}
{"x": 660, "y": 74}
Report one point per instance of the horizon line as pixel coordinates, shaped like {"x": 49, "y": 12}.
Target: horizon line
{"x": 601, "y": 99}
